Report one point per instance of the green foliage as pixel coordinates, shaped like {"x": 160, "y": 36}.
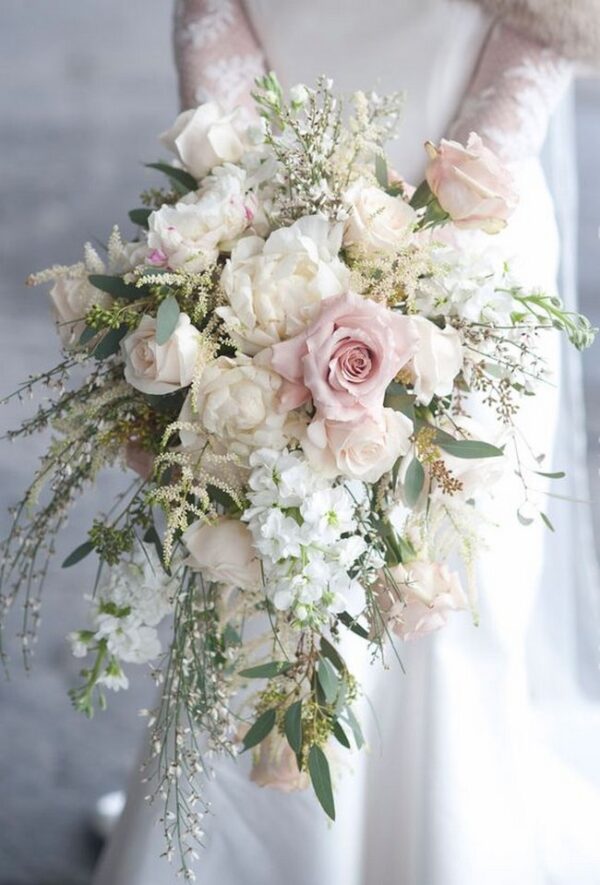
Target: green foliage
{"x": 181, "y": 180}
{"x": 140, "y": 217}
{"x": 413, "y": 482}
{"x": 267, "y": 671}
{"x": 293, "y": 726}
{"x": 166, "y": 319}
{"x": 318, "y": 768}
{"x": 260, "y": 730}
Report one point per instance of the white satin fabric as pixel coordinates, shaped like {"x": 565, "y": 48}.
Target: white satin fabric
{"x": 469, "y": 777}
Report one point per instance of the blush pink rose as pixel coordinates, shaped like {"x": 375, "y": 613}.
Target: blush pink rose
{"x": 471, "y": 184}
{"x": 275, "y": 766}
{"x": 423, "y": 595}
{"x": 345, "y": 359}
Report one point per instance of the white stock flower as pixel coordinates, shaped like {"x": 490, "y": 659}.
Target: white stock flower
{"x": 377, "y": 222}
{"x": 437, "y": 361}
{"x": 161, "y": 368}
{"x": 190, "y": 234}
{"x": 205, "y": 137}
{"x": 274, "y": 288}
{"x": 236, "y": 402}
{"x": 127, "y": 639}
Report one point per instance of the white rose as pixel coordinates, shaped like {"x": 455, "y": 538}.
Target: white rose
{"x": 223, "y": 552}
{"x": 210, "y": 455}
{"x": 377, "y": 222}
{"x": 236, "y": 402}
{"x": 364, "y": 449}
{"x": 428, "y": 592}
{"x": 191, "y": 233}
{"x": 161, "y": 368}
{"x": 478, "y": 476}
{"x": 437, "y": 362}
{"x": 205, "y": 137}
{"x": 71, "y": 298}
{"x": 274, "y": 288}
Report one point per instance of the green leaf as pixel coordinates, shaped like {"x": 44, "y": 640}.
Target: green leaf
{"x": 261, "y": 728}
{"x": 468, "y": 448}
{"x": 318, "y": 768}
{"x": 524, "y": 520}
{"x": 151, "y": 536}
{"x": 414, "y": 481}
{"x": 166, "y": 403}
{"x": 354, "y": 725}
{"x": 340, "y": 735}
{"x": 292, "y": 724}
{"x": 398, "y": 399}
{"x": 328, "y": 680}
{"x": 109, "y": 343}
{"x": 87, "y": 335}
{"x": 166, "y": 319}
{"x": 352, "y": 624}
{"x": 547, "y": 522}
{"x": 231, "y": 636}
{"x": 421, "y": 196}
{"x": 178, "y": 176}
{"x": 560, "y": 474}
{"x": 407, "y": 551}
{"x": 140, "y": 217}
{"x": 78, "y": 554}
{"x": 115, "y": 286}
{"x": 381, "y": 171}
{"x": 329, "y": 651}
{"x": 267, "y": 671}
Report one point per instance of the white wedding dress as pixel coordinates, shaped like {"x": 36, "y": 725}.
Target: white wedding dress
{"x": 470, "y": 776}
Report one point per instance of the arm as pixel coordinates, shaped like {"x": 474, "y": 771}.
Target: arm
{"x": 515, "y": 88}
{"x": 216, "y": 52}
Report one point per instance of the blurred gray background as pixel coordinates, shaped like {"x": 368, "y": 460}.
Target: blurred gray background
{"x": 86, "y": 87}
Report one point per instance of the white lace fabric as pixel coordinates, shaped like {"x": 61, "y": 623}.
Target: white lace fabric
{"x": 217, "y": 54}
{"x": 513, "y": 93}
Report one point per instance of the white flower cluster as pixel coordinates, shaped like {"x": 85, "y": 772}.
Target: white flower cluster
{"x": 125, "y": 615}
{"x": 308, "y": 536}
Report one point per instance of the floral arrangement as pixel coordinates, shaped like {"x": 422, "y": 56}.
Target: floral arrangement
{"x": 288, "y": 354}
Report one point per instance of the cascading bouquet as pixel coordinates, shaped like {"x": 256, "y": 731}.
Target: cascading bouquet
{"x": 288, "y": 354}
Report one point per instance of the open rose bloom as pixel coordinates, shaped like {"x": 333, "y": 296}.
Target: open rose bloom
{"x": 315, "y": 381}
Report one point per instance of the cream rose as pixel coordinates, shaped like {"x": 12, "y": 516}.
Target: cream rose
{"x": 275, "y": 765}
{"x": 478, "y": 476}
{"x": 437, "y": 362}
{"x": 191, "y": 233}
{"x": 377, "y": 222}
{"x": 364, "y": 449}
{"x": 223, "y": 552}
{"x": 275, "y": 288}
{"x": 471, "y": 184}
{"x": 161, "y": 368}
{"x": 236, "y": 401}
{"x": 71, "y": 299}
{"x": 428, "y": 592}
{"x": 206, "y": 136}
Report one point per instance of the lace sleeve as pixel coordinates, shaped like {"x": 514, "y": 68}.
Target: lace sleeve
{"x": 216, "y": 52}
{"x": 514, "y": 91}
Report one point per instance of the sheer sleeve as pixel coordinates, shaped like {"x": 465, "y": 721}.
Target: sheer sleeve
{"x": 216, "y": 51}
{"x": 515, "y": 88}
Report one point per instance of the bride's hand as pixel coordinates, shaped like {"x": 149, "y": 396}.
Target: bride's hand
{"x": 216, "y": 51}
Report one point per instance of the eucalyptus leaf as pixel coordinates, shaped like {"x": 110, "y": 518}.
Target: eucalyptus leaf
{"x": 140, "y": 217}
{"x": 354, "y": 725}
{"x": 328, "y": 679}
{"x": 421, "y": 196}
{"x": 469, "y": 448}
{"x": 340, "y": 735}
{"x": 330, "y": 652}
{"x": 353, "y": 625}
{"x": 115, "y": 286}
{"x": 381, "y": 171}
{"x": 177, "y": 176}
{"x": 166, "y": 319}
{"x": 87, "y": 335}
{"x": 109, "y": 343}
{"x": 78, "y": 554}
{"x": 261, "y": 728}
{"x": 266, "y": 671}
{"x": 547, "y": 522}
{"x": 560, "y": 474}
{"x": 318, "y": 768}
{"x": 413, "y": 482}
{"x": 292, "y": 724}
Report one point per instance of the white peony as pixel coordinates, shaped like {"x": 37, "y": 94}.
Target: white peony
{"x": 72, "y": 297}
{"x": 437, "y": 362}
{"x": 236, "y": 402}
{"x": 378, "y": 222}
{"x": 205, "y": 137}
{"x": 191, "y": 233}
{"x": 274, "y": 288}
{"x": 223, "y": 552}
{"x": 161, "y": 368}
{"x": 364, "y": 449}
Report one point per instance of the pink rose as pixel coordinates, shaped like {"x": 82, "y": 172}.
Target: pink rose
{"x": 422, "y": 596}
{"x": 275, "y": 766}
{"x": 345, "y": 359}
{"x": 471, "y": 184}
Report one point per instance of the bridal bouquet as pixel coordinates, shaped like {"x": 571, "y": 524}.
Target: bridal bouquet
{"x": 289, "y": 354}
